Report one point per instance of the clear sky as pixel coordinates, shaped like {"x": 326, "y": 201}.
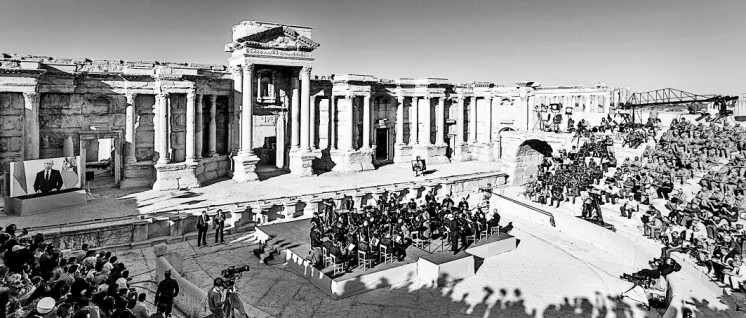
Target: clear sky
{"x": 698, "y": 46}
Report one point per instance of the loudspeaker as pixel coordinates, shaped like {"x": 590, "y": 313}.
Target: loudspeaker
{"x": 89, "y": 176}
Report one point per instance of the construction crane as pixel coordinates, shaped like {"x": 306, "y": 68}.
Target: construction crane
{"x": 670, "y": 96}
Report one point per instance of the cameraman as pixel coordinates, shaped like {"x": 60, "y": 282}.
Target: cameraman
{"x": 216, "y": 298}
{"x": 223, "y": 294}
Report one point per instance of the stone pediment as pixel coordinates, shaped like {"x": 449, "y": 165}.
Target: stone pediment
{"x": 277, "y": 38}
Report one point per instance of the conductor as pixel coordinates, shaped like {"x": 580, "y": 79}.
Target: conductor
{"x": 48, "y": 179}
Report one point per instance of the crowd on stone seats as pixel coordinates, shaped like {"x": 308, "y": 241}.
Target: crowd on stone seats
{"x": 573, "y": 174}
{"x": 389, "y": 225}
{"x": 706, "y": 224}
{"x": 39, "y": 280}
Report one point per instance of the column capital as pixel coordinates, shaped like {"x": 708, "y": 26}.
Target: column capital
{"x": 30, "y": 96}
{"x": 236, "y": 69}
{"x": 305, "y": 71}
{"x": 213, "y": 97}
{"x": 191, "y": 95}
{"x": 131, "y": 98}
{"x": 164, "y": 94}
{"x": 248, "y": 68}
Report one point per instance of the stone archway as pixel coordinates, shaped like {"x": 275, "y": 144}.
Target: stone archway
{"x": 528, "y": 157}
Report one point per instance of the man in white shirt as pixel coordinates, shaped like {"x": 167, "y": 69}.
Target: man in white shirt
{"x": 140, "y": 310}
{"x": 629, "y": 205}
{"x": 738, "y": 274}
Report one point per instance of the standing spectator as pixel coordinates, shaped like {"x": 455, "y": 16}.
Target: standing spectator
{"x": 202, "y": 229}
{"x": 219, "y": 223}
{"x": 168, "y": 289}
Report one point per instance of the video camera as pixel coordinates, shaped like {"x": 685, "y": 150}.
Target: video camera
{"x": 231, "y": 274}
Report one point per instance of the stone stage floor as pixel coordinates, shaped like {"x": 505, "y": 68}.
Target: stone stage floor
{"x": 549, "y": 275}
{"x": 129, "y": 202}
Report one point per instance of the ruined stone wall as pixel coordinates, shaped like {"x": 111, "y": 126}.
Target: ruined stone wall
{"x": 11, "y": 129}
{"x": 144, "y": 131}
{"x": 64, "y": 114}
{"x": 177, "y": 127}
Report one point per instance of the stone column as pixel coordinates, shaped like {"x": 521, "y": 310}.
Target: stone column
{"x": 312, "y": 123}
{"x": 199, "y": 123}
{"x": 129, "y": 136}
{"x": 305, "y": 109}
{"x": 426, "y": 123}
{"x": 31, "y": 125}
{"x": 350, "y": 138}
{"x": 280, "y": 141}
{"x": 400, "y": 120}
{"x": 460, "y": 122}
{"x": 162, "y": 133}
{"x": 441, "y": 128}
{"x": 586, "y": 102}
{"x": 473, "y": 120}
{"x": 295, "y": 113}
{"x": 594, "y": 104}
{"x": 333, "y": 120}
{"x": 488, "y": 99}
{"x": 366, "y": 122}
{"x": 213, "y": 126}
{"x": 247, "y": 112}
{"x": 190, "y": 126}
{"x": 414, "y": 126}
{"x": 607, "y": 103}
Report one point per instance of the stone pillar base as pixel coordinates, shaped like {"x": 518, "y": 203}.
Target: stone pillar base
{"x": 484, "y": 152}
{"x": 176, "y": 176}
{"x": 403, "y": 153}
{"x": 463, "y": 152}
{"x": 301, "y": 164}
{"x": 245, "y": 168}
{"x": 137, "y": 175}
{"x": 352, "y": 160}
{"x": 432, "y": 154}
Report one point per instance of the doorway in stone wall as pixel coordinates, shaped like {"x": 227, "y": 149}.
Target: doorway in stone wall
{"x": 382, "y": 144}
{"x": 101, "y": 152}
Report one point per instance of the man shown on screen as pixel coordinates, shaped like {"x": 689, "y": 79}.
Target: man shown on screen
{"x": 48, "y": 179}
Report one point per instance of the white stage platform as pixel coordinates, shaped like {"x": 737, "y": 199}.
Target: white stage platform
{"x": 436, "y": 268}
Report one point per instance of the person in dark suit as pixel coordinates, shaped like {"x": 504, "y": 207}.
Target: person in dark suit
{"x": 48, "y": 179}
{"x": 202, "y": 229}
{"x": 455, "y": 233}
{"x": 219, "y": 226}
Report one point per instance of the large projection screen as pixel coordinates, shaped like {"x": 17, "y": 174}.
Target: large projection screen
{"x": 24, "y": 174}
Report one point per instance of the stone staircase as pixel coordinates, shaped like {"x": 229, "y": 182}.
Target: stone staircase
{"x": 268, "y": 253}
